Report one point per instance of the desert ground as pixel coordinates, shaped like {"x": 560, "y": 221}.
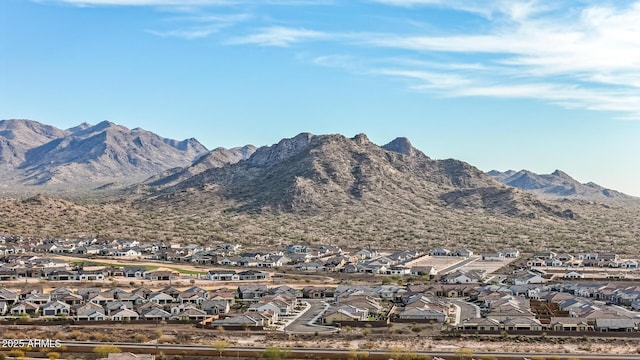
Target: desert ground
{"x": 398, "y": 337}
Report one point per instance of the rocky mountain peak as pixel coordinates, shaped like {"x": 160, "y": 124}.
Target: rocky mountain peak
{"x": 221, "y": 156}
{"x": 329, "y": 174}
{"x": 18, "y": 136}
{"x": 41, "y": 154}
{"x": 400, "y": 145}
{"x": 246, "y": 151}
{"x": 21, "y": 128}
{"x": 78, "y": 128}
{"x": 105, "y": 124}
{"x": 361, "y": 139}
{"x": 562, "y": 174}
{"x": 284, "y": 149}
{"x": 525, "y": 179}
{"x": 558, "y": 184}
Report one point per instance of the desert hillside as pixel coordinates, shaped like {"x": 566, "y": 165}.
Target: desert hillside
{"x": 330, "y": 189}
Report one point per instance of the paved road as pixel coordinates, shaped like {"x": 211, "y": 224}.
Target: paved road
{"x": 303, "y": 324}
{"x": 467, "y": 310}
{"x": 458, "y": 265}
{"x": 285, "y": 276}
{"x": 304, "y": 353}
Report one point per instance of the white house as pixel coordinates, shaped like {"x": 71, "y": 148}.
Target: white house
{"x": 529, "y": 278}
{"x": 125, "y": 315}
{"x": 160, "y": 298}
{"x": 128, "y": 253}
{"x": 493, "y": 256}
{"x": 439, "y": 252}
{"x": 56, "y": 308}
{"x": 573, "y": 275}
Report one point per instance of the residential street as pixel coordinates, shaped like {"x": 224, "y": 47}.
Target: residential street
{"x": 302, "y": 324}
{"x": 458, "y": 265}
{"x": 467, "y": 310}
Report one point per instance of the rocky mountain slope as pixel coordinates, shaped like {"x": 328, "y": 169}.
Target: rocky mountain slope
{"x": 327, "y": 173}
{"x": 326, "y": 189}
{"x": 19, "y": 136}
{"x": 348, "y": 191}
{"x": 38, "y": 154}
{"x": 216, "y": 158}
{"x": 557, "y": 185}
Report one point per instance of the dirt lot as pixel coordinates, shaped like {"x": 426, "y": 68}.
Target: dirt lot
{"x": 437, "y": 262}
{"x": 488, "y": 266}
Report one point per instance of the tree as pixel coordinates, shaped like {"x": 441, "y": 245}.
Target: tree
{"x": 53, "y": 355}
{"x": 275, "y": 353}
{"x": 220, "y": 345}
{"x": 272, "y": 353}
{"x": 16, "y": 353}
{"x": 394, "y": 353}
{"x": 464, "y": 353}
{"x": 353, "y": 354}
{"x": 105, "y": 350}
{"x": 357, "y": 355}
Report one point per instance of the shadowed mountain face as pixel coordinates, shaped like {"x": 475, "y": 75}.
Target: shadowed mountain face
{"x": 557, "y": 184}
{"x": 90, "y": 154}
{"x": 220, "y": 157}
{"x": 500, "y": 176}
{"x": 19, "y": 136}
{"x": 216, "y": 158}
{"x": 310, "y": 174}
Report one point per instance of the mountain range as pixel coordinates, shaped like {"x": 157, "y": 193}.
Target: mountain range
{"x": 310, "y": 188}
{"x": 327, "y": 173}
{"x": 35, "y": 154}
{"x": 32, "y": 153}
{"x": 557, "y": 185}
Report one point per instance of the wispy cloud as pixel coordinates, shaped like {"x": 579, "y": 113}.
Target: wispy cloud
{"x": 427, "y": 79}
{"x": 147, "y": 2}
{"x": 194, "y": 32}
{"x": 580, "y": 54}
{"x": 280, "y": 36}
{"x": 190, "y": 3}
{"x": 514, "y": 9}
{"x": 561, "y": 94}
{"x": 202, "y": 25}
{"x": 580, "y": 57}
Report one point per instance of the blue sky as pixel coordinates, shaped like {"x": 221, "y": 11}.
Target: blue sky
{"x": 501, "y": 84}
